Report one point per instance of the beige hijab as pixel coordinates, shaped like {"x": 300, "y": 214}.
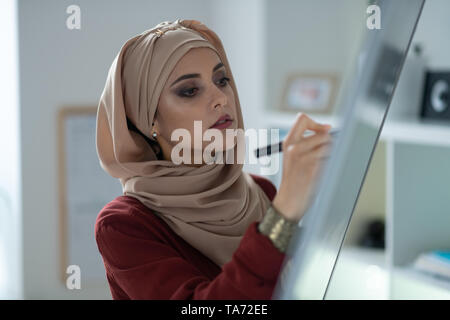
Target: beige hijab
{"x": 210, "y": 206}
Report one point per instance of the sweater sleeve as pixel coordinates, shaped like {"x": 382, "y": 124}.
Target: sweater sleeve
{"x": 155, "y": 270}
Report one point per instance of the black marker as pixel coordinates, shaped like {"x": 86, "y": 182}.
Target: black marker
{"x": 267, "y": 151}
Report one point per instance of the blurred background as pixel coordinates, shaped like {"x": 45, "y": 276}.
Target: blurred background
{"x": 286, "y": 56}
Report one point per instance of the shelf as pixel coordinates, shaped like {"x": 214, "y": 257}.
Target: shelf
{"x": 397, "y": 130}
{"x": 412, "y": 284}
{"x": 416, "y": 131}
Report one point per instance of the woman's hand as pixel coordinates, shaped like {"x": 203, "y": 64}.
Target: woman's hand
{"x": 301, "y": 160}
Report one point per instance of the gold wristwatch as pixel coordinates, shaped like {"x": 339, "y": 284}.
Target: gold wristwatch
{"x": 279, "y": 229}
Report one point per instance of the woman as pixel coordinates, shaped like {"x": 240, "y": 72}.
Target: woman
{"x": 192, "y": 230}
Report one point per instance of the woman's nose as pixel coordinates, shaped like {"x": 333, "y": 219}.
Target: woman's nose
{"x": 219, "y": 97}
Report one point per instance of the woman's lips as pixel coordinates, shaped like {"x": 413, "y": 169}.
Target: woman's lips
{"x": 224, "y": 125}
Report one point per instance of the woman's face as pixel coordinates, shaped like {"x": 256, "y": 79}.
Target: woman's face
{"x": 202, "y": 94}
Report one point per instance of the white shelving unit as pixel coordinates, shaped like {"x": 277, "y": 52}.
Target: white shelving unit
{"x": 410, "y": 284}
{"x": 418, "y": 203}
{"x": 417, "y": 199}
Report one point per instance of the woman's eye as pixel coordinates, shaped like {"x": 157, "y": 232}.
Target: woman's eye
{"x": 187, "y": 93}
{"x": 190, "y": 92}
{"x": 226, "y": 81}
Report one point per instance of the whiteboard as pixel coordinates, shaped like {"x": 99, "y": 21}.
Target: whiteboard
{"x": 84, "y": 190}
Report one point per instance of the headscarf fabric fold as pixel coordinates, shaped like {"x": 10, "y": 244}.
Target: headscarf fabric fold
{"x": 210, "y": 206}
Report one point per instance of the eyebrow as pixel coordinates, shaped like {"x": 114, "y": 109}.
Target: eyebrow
{"x": 195, "y": 75}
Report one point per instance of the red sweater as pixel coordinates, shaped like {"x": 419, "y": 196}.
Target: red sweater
{"x": 145, "y": 259}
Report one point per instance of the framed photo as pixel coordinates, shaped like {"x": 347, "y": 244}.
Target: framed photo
{"x": 309, "y": 92}
{"x": 84, "y": 189}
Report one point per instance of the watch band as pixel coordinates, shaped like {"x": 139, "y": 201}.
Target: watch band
{"x": 279, "y": 229}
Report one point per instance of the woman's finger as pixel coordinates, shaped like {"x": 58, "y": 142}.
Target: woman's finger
{"x": 303, "y": 123}
{"x": 306, "y": 123}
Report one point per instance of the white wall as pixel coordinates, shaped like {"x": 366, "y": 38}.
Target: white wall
{"x": 309, "y": 36}
{"x": 10, "y": 197}
{"x": 432, "y": 32}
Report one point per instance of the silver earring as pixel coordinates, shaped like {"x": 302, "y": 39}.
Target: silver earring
{"x": 154, "y": 135}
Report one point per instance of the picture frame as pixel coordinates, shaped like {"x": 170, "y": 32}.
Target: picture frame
{"x": 83, "y": 189}
{"x": 312, "y": 93}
